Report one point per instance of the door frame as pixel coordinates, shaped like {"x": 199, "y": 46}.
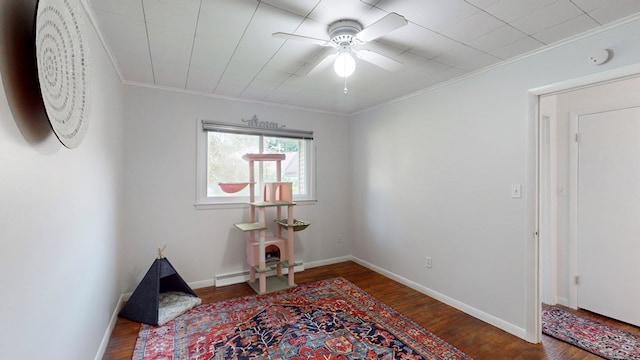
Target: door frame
{"x": 534, "y": 300}
{"x": 548, "y": 205}
{"x": 573, "y": 210}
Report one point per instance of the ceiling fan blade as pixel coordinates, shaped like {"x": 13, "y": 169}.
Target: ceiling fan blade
{"x": 321, "y": 62}
{"x": 379, "y": 60}
{"x": 385, "y": 25}
{"x": 301, "y": 38}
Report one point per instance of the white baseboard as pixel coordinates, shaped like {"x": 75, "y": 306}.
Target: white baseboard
{"x": 336, "y": 260}
{"x": 489, "y": 319}
{"x": 107, "y": 333}
{"x": 202, "y": 283}
{"x": 563, "y": 301}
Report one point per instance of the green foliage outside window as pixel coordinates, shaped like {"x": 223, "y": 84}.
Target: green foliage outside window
{"x": 225, "y": 163}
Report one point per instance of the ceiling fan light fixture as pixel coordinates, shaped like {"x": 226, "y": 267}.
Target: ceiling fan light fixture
{"x": 346, "y": 36}
{"x": 344, "y": 65}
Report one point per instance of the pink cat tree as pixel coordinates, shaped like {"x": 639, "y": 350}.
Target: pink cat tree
{"x": 276, "y": 195}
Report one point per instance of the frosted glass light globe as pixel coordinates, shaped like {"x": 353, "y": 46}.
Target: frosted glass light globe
{"x": 345, "y": 65}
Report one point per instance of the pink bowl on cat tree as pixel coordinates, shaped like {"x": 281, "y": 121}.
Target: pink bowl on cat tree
{"x": 232, "y": 187}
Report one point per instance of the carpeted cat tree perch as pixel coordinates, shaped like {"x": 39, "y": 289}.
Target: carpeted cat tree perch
{"x": 161, "y": 296}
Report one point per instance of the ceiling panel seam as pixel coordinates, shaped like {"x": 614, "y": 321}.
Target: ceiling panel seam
{"x": 193, "y": 44}
{"x": 146, "y": 30}
{"x": 235, "y": 49}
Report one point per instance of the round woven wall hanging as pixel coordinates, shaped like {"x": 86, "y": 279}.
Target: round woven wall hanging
{"x": 62, "y": 57}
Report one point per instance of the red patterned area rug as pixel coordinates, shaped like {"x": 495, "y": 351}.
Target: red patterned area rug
{"x": 331, "y": 319}
{"x": 596, "y": 337}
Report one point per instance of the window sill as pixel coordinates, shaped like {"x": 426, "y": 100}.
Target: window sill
{"x": 242, "y": 205}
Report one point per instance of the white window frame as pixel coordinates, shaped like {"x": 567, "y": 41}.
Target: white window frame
{"x": 212, "y": 202}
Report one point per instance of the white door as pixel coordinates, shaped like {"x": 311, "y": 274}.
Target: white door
{"x": 609, "y": 214}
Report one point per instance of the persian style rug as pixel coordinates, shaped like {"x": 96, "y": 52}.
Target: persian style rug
{"x": 331, "y": 319}
{"x": 596, "y": 337}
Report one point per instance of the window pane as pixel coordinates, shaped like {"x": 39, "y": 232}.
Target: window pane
{"x": 293, "y": 167}
{"x": 225, "y": 163}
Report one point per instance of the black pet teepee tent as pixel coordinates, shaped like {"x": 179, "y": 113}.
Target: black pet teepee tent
{"x": 144, "y": 304}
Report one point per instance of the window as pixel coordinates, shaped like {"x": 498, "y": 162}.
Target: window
{"x": 220, "y": 150}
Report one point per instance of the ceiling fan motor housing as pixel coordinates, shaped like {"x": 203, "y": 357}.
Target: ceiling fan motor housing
{"x": 343, "y": 33}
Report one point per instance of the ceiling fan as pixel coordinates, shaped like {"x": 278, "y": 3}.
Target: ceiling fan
{"x": 346, "y": 38}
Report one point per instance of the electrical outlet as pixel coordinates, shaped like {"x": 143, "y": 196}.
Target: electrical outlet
{"x": 427, "y": 262}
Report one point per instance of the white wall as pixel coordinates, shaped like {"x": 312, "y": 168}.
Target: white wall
{"x": 431, "y": 176}
{"x": 160, "y": 186}
{"x": 59, "y": 208}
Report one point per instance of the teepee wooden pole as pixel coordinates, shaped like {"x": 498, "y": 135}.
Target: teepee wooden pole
{"x": 160, "y": 252}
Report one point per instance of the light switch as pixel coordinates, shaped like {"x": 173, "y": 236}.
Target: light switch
{"x": 516, "y": 191}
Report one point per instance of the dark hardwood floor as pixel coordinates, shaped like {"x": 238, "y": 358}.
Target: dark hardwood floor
{"x": 474, "y": 337}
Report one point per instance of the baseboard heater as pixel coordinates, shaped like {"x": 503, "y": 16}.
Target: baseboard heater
{"x": 240, "y": 277}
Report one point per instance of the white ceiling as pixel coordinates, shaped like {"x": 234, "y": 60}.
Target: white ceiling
{"x": 225, "y": 47}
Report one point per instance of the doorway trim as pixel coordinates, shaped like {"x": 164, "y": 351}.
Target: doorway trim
{"x": 534, "y": 300}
